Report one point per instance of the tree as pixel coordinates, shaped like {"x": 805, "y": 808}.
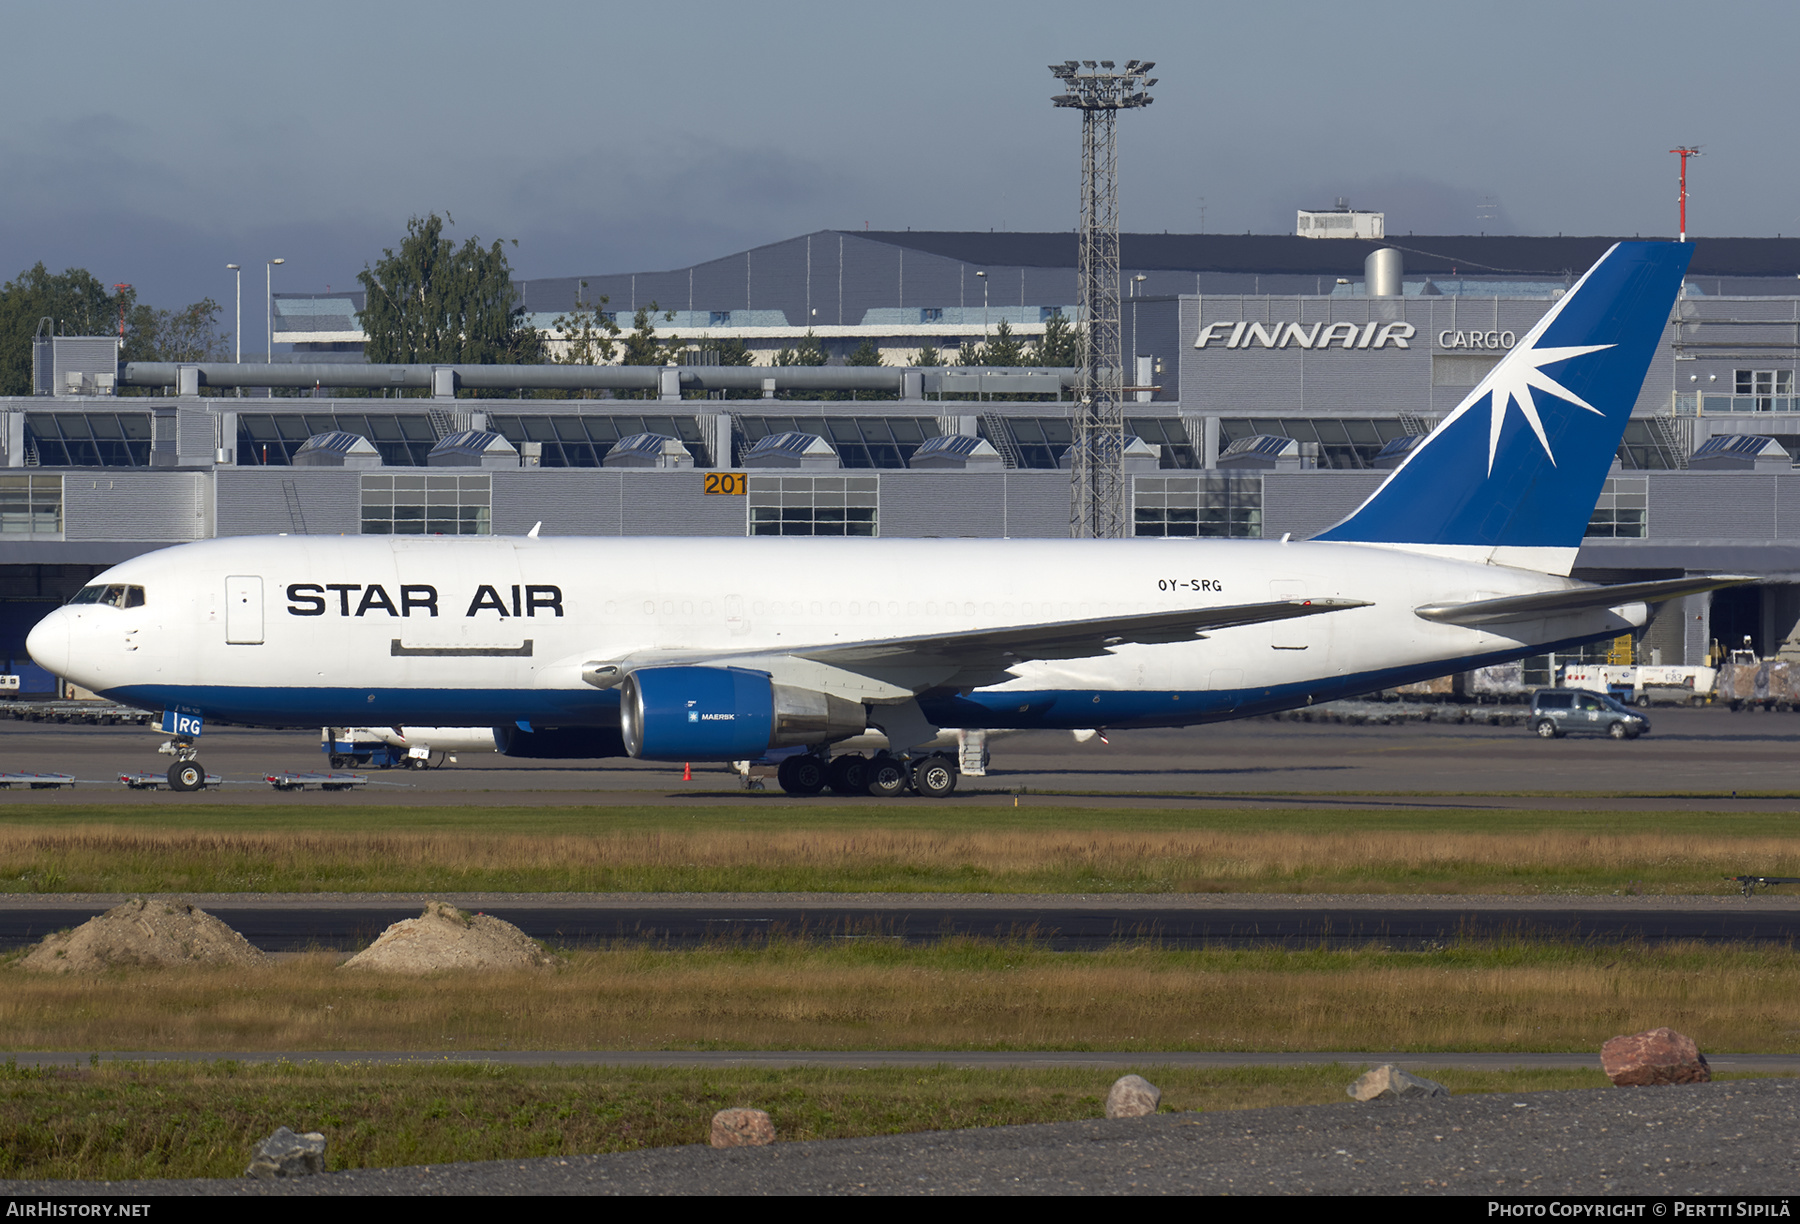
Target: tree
{"x": 642, "y": 346}
{"x": 929, "y": 356}
{"x": 1060, "y": 347}
{"x": 75, "y": 302}
{"x": 810, "y": 353}
{"x": 189, "y": 334}
{"x": 589, "y": 334}
{"x": 1003, "y": 348}
{"x": 433, "y": 302}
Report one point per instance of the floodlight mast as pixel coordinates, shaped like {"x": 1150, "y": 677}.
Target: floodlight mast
{"x": 1097, "y": 508}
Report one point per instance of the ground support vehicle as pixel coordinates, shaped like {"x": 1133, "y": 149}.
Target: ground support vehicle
{"x": 1559, "y": 712}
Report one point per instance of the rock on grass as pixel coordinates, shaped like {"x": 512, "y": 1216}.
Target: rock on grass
{"x": 1390, "y": 1083}
{"x": 1658, "y": 1056}
{"x": 742, "y": 1128}
{"x": 444, "y": 937}
{"x": 144, "y": 931}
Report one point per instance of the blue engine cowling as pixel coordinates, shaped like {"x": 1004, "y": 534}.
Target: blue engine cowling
{"x": 726, "y": 714}
{"x": 696, "y": 713}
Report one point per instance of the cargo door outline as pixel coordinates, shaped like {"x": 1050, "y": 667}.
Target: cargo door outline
{"x": 243, "y": 610}
{"x": 1289, "y": 634}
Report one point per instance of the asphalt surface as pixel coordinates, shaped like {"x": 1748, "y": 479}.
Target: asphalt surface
{"x": 1710, "y": 752}
{"x": 297, "y": 923}
{"x": 1733, "y": 1139}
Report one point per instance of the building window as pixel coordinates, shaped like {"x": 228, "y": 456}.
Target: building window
{"x": 718, "y": 318}
{"x": 31, "y": 505}
{"x": 88, "y": 439}
{"x": 814, "y": 505}
{"x": 1764, "y": 388}
{"x": 1046, "y": 313}
{"x": 1345, "y": 443}
{"x": 1170, "y": 437}
{"x": 1039, "y": 442}
{"x": 1623, "y": 511}
{"x": 931, "y": 314}
{"x": 404, "y": 439}
{"x": 1214, "y": 506}
{"x": 426, "y": 505}
{"x": 576, "y": 441}
{"x": 861, "y": 442}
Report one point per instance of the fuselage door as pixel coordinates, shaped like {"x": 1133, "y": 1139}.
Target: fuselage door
{"x": 244, "y": 610}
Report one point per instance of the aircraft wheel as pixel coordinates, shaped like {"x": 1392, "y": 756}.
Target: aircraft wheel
{"x": 934, "y": 777}
{"x": 888, "y": 776}
{"x": 187, "y": 776}
{"x": 1545, "y": 729}
{"x": 801, "y": 775}
{"x": 849, "y": 775}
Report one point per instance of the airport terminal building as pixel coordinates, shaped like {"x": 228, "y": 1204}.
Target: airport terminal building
{"x": 1275, "y": 391}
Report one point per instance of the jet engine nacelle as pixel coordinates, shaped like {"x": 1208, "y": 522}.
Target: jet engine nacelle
{"x": 726, "y": 714}
{"x": 559, "y": 743}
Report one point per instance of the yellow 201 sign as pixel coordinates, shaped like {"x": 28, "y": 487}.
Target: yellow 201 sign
{"x": 727, "y": 484}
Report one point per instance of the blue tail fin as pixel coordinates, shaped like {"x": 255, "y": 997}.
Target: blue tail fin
{"x": 1514, "y": 472}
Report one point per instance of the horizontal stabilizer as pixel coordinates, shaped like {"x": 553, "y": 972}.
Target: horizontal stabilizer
{"x": 1574, "y": 599}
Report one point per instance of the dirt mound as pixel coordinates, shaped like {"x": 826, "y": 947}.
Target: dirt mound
{"x": 444, "y": 937}
{"x": 144, "y": 932}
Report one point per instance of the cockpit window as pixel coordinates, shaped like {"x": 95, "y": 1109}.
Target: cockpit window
{"x": 113, "y": 596}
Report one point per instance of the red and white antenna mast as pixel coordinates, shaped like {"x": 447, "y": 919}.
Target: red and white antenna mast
{"x": 1685, "y": 151}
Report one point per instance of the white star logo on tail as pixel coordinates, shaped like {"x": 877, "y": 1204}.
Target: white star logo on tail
{"x": 1512, "y": 381}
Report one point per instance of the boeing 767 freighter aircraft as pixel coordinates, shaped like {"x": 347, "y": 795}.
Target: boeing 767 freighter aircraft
{"x": 721, "y": 649}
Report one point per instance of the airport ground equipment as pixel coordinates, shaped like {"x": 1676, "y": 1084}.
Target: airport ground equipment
{"x": 291, "y": 781}
{"x": 1644, "y": 684}
{"x": 1750, "y": 883}
{"x": 99, "y": 713}
{"x": 1559, "y": 712}
{"x": 145, "y": 780}
{"x": 36, "y": 781}
{"x": 363, "y": 747}
{"x": 1760, "y": 684}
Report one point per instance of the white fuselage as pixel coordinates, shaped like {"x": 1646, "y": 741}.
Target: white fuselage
{"x": 314, "y": 631}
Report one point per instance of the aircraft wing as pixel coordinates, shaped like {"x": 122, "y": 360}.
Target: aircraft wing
{"x": 1576, "y": 599}
{"x": 912, "y": 664}
{"x": 1073, "y": 639}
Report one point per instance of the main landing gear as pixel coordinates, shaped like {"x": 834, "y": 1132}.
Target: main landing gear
{"x": 883, "y": 775}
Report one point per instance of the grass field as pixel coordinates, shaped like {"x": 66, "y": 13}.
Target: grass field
{"x": 952, "y": 995}
{"x": 916, "y": 848}
{"x": 146, "y": 1120}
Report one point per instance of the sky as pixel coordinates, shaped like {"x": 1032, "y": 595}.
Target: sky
{"x": 154, "y": 144}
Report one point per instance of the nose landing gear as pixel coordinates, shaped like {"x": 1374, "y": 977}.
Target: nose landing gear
{"x": 186, "y": 774}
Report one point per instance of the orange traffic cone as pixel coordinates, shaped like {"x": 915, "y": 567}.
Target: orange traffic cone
{"x": 687, "y": 771}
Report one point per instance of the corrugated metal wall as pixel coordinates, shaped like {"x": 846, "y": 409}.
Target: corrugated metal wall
{"x": 135, "y": 504}
{"x": 1015, "y": 504}
{"x": 1715, "y": 505}
{"x": 295, "y": 501}
{"x": 1306, "y": 503}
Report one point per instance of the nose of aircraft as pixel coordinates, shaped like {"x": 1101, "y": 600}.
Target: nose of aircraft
{"x": 48, "y": 643}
